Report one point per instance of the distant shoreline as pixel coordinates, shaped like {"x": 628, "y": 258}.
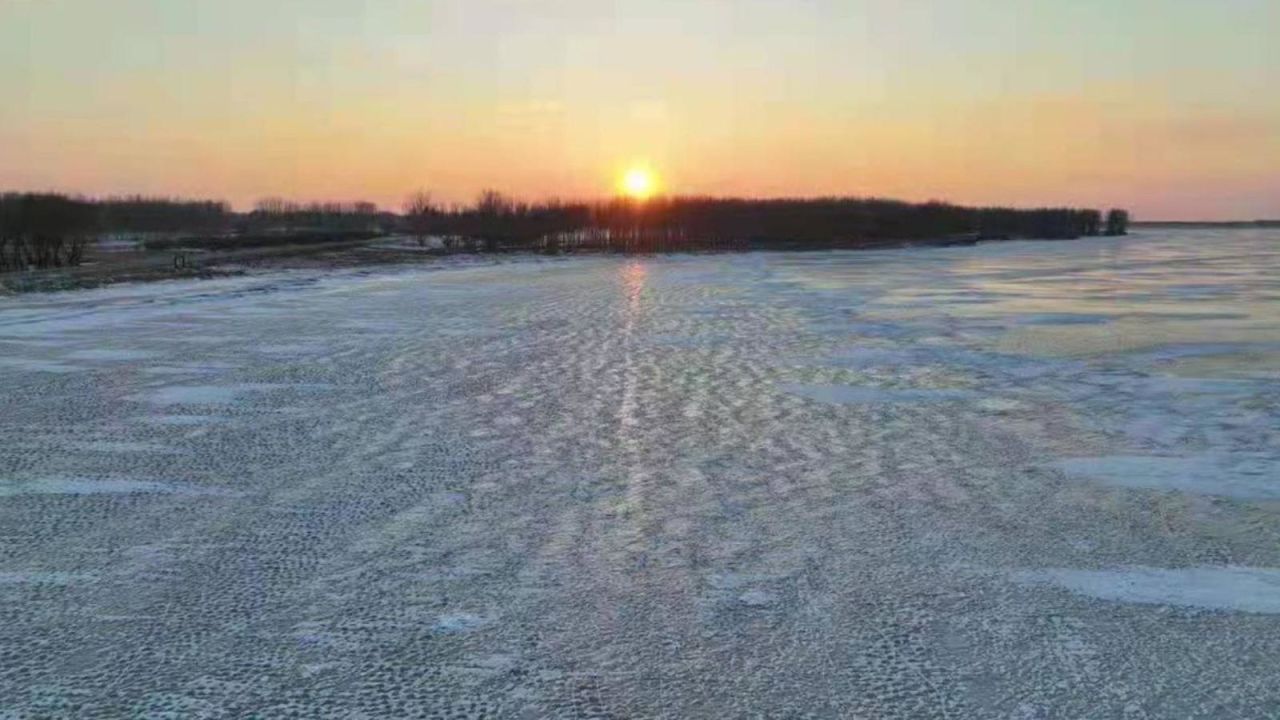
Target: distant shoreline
{"x": 196, "y": 258}
{"x": 1205, "y": 223}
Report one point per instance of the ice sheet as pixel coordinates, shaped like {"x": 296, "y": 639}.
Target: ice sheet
{"x": 1013, "y": 480}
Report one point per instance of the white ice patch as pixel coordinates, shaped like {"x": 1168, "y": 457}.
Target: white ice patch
{"x": 757, "y": 598}
{"x": 1244, "y": 589}
{"x": 873, "y": 357}
{"x": 105, "y": 354}
{"x": 1223, "y": 387}
{"x": 865, "y": 329}
{"x": 26, "y": 365}
{"x": 999, "y": 406}
{"x": 730, "y": 589}
{"x": 189, "y": 368}
{"x": 43, "y": 578}
{"x": 459, "y": 623}
{"x": 206, "y": 339}
{"x": 1063, "y": 319}
{"x": 183, "y": 419}
{"x": 1240, "y": 475}
{"x": 289, "y": 349}
{"x": 122, "y": 446}
{"x": 854, "y": 395}
{"x": 82, "y": 486}
{"x": 199, "y": 394}
{"x": 700, "y": 341}
{"x": 1183, "y": 351}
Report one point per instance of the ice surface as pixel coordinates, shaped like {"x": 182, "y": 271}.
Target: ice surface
{"x": 1242, "y": 475}
{"x": 119, "y": 446}
{"x": 459, "y": 623}
{"x": 82, "y": 486}
{"x": 755, "y": 485}
{"x": 1255, "y": 590}
{"x": 757, "y": 598}
{"x": 843, "y": 394}
{"x": 38, "y": 365}
{"x": 43, "y": 578}
{"x": 1062, "y": 319}
{"x": 109, "y": 354}
{"x": 183, "y": 419}
{"x": 200, "y": 394}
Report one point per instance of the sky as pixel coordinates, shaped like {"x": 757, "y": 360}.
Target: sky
{"x": 1166, "y": 107}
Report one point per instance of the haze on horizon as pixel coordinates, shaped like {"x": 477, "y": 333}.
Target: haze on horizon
{"x": 1165, "y": 107}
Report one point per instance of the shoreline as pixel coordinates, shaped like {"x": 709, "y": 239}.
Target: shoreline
{"x": 191, "y": 261}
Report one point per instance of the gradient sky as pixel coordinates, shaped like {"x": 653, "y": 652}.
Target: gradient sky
{"x": 1168, "y": 107}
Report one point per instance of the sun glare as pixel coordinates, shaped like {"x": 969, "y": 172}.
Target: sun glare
{"x": 638, "y": 183}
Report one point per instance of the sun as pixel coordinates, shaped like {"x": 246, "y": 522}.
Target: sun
{"x": 638, "y": 182}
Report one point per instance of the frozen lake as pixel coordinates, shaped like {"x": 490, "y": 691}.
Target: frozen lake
{"x": 1018, "y": 480}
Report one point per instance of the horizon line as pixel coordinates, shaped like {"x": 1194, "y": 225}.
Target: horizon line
{"x": 550, "y": 200}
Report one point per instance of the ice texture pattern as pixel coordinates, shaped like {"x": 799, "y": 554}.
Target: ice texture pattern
{"x": 1017, "y": 480}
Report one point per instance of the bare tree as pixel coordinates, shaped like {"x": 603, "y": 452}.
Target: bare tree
{"x": 492, "y": 202}
{"x": 418, "y": 210}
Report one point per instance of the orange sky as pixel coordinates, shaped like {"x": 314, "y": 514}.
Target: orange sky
{"x": 1166, "y": 107}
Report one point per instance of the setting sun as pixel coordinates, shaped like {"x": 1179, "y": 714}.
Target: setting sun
{"x": 638, "y": 183}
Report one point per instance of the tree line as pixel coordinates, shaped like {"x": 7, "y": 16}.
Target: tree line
{"x": 286, "y": 216}
{"x": 52, "y": 230}
{"x": 136, "y": 214}
{"x": 43, "y": 230}
{"x": 497, "y": 222}
{"x": 48, "y": 230}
